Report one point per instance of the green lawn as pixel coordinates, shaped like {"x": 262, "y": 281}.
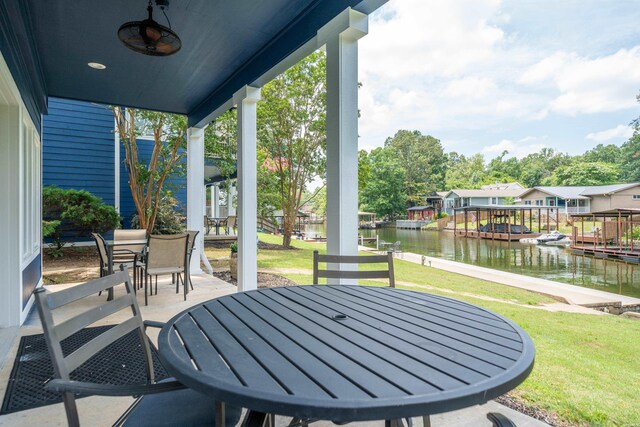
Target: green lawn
{"x": 587, "y": 368}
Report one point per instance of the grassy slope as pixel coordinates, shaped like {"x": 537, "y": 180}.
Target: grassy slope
{"x": 587, "y": 367}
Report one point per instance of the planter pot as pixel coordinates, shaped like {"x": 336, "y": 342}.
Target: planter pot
{"x": 233, "y": 265}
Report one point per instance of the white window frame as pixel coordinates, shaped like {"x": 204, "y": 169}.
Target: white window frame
{"x": 30, "y": 192}
{"x": 636, "y": 197}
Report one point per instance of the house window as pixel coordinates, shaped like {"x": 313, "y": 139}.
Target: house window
{"x": 636, "y": 197}
{"x": 527, "y": 202}
{"x": 493, "y": 200}
{"x": 539, "y": 202}
{"x": 29, "y": 192}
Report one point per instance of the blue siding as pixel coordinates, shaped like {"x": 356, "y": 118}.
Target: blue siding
{"x": 127, "y": 208}
{"x": 78, "y": 152}
{"x": 78, "y": 147}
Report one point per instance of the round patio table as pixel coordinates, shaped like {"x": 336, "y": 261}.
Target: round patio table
{"x": 345, "y": 353}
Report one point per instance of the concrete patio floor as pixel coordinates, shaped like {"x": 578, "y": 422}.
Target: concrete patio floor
{"x": 99, "y": 411}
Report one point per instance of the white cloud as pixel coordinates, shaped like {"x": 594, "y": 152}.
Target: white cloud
{"x": 604, "y": 84}
{"x": 620, "y": 133}
{"x": 461, "y": 69}
{"x": 519, "y": 148}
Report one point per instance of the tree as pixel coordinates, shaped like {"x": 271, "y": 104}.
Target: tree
{"x": 603, "y": 153}
{"x": 502, "y": 170}
{"x": 74, "y": 212}
{"x": 424, "y": 162}
{"x": 385, "y": 193}
{"x": 538, "y": 167}
{"x": 364, "y": 169}
{"x": 291, "y": 129}
{"x": 463, "y": 172}
{"x": 221, "y": 144}
{"x": 147, "y": 178}
{"x": 582, "y": 173}
{"x": 630, "y": 153}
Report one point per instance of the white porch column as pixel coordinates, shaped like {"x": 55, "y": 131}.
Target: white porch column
{"x": 215, "y": 200}
{"x": 341, "y": 36}
{"x": 231, "y": 194}
{"x": 246, "y": 100}
{"x": 195, "y": 195}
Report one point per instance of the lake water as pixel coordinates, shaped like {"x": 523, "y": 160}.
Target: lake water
{"x": 546, "y": 262}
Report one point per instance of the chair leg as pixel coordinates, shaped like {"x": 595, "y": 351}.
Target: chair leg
{"x": 146, "y": 276}
{"x": 71, "y": 409}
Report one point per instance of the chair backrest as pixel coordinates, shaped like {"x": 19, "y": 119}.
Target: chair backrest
{"x": 354, "y": 259}
{"x": 54, "y": 332}
{"x": 231, "y": 221}
{"x": 102, "y": 248}
{"x": 167, "y": 250}
{"x": 120, "y": 235}
{"x": 192, "y": 234}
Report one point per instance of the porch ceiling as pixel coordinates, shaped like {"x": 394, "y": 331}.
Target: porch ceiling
{"x": 225, "y": 45}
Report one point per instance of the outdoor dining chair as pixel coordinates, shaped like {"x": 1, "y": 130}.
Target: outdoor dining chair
{"x": 190, "y": 245}
{"x": 129, "y": 253}
{"x": 231, "y": 224}
{"x": 166, "y": 254}
{"x": 353, "y": 259}
{"x": 157, "y": 403}
{"x": 208, "y": 223}
{"x": 130, "y": 262}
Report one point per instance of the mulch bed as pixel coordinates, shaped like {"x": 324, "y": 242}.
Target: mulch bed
{"x": 265, "y": 280}
{"x": 532, "y": 411}
{"x": 261, "y": 245}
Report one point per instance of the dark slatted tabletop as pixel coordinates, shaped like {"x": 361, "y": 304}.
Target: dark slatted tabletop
{"x": 345, "y": 353}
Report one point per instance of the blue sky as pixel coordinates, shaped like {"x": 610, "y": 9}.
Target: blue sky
{"x": 485, "y": 76}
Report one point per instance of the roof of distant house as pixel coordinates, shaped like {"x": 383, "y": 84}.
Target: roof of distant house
{"x": 419, "y": 208}
{"x": 487, "y": 193}
{"x": 608, "y": 189}
{"x": 581, "y": 192}
{"x": 503, "y": 186}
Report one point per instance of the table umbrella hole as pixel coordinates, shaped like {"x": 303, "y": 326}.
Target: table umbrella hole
{"x": 339, "y": 317}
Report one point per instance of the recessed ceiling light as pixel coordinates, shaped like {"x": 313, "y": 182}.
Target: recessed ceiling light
{"x": 96, "y": 65}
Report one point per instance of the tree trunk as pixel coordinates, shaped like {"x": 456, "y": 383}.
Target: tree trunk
{"x": 287, "y": 229}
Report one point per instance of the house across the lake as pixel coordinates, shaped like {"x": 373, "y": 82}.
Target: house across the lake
{"x": 586, "y": 199}
{"x": 494, "y": 194}
{"x": 421, "y": 213}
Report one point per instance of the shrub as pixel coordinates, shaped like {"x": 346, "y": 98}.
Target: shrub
{"x": 442, "y": 215}
{"x": 169, "y": 219}
{"x": 74, "y": 212}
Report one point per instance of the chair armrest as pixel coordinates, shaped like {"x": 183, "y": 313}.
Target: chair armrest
{"x": 500, "y": 420}
{"x": 91, "y": 389}
{"x": 153, "y": 324}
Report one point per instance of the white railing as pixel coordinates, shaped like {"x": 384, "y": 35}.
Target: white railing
{"x": 576, "y": 209}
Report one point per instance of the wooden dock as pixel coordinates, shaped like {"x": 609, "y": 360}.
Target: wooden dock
{"x": 608, "y": 252}
{"x": 505, "y": 237}
{"x": 614, "y": 235}
{"x": 410, "y": 224}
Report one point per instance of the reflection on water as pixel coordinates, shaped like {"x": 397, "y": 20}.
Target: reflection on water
{"x": 547, "y": 262}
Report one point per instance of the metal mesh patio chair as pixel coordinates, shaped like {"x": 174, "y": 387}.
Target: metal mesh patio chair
{"x": 230, "y": 224}
{"x": 355, "y": 259}
{"x": 190, "y": 245}
{"x": 130, "y": 253}
{"x": 166, "y": 254}
{"x": 101, "y": 245}
{"x": 162, "y": 403}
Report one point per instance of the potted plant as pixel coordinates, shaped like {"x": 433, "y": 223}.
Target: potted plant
{"x": 233, "y": 261}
